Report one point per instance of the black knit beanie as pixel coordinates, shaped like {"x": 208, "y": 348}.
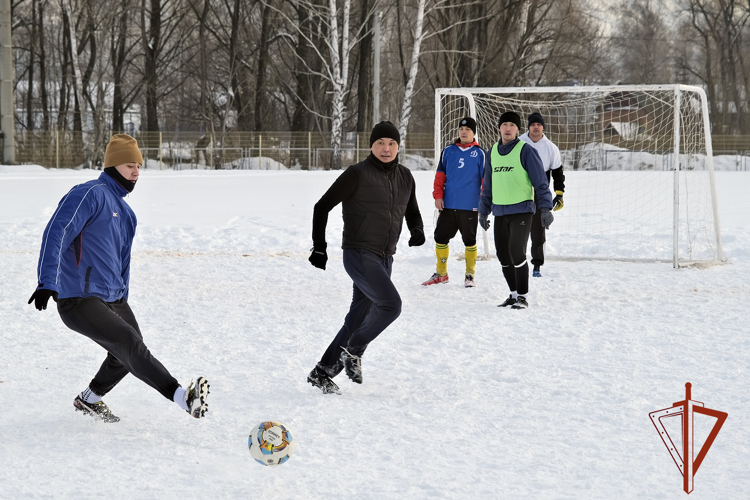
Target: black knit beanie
{"x": 468, "y": 122}
{"x": 385, "y": 130}
{"x": 536, "y": 118}
{"x": 509, "y": 116}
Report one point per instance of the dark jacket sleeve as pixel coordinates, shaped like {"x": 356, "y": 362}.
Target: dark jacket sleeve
{"x": 413, "y": 216}
{"x": 559, "y": 178}
{"x": 533, "y": 164}
{"x": 485, "y": 202}
{"x": 341, "y": 189}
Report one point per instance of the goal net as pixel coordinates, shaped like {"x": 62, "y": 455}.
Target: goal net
{"x": 639, "y": 179}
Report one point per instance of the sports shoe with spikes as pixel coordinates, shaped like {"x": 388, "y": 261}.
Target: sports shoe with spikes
{"x": 435, "y": 279}
{"x": 520, "y": 303}
{"x": 469, "y": 281}
{"x": 352, "y": 365}
{"x": 319, "y": 378}
{"x": 536, "y": 272}
{"x": 195, "y": 397}
{"x": 508, "y": 302}
{"x": 99, "y": 411}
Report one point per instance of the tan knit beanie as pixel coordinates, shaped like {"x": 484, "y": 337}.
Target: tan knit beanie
{"x": 122, "y": 149}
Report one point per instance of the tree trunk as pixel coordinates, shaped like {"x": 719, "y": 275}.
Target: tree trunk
{"x": 365, "y": 76}
{"x": 30, "y": 73}
{"x": 237, "y": 70}
{"x": 414, "y": 66}
{"x": 260, "y": 74}
{"x": 117, "y": 55}
{"x": 151, "y": 40}
{"x": 43, "y": 70}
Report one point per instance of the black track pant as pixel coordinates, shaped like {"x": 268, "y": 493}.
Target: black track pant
{"x": 538, "y": 238}
{"x": 112, "y": 325}
{"x": 450, "y": 221}
{"x": 511, "y": 237}
{"x": 375, "y": 303}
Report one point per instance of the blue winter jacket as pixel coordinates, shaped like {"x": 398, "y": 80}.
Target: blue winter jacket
{"x": 531, "y": 162}
{"x": 86, "y": 245}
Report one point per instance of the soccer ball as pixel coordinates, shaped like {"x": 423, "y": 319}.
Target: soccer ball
{"x": 271, "y": 443}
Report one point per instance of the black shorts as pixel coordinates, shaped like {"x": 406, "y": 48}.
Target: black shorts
{"x": 451, "y": 221}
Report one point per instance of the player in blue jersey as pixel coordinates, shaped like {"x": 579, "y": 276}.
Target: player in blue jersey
{"x": 458, "y": 186}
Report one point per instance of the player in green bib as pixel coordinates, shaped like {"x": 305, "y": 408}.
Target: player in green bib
{"x": 512, "y": 173}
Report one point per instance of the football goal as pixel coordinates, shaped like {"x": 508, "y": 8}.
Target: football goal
{"x": 639, "y": 178}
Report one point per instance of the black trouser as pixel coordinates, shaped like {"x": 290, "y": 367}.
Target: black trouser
{"x": 451, "y": 221}
{"x": 538, "y": 237}
{"x": 511, "y": 237}
{"x": 375, "y": 303}
{"x": 112, "y": 325}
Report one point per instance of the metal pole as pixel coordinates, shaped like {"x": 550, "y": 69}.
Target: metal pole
{"x": 57, "y": 149}
{"x": 309, "y": 151}
{"x": 160, "y": 165}
{"x": 260, "y": 151}
{"x": 7, "y": 122}
{"x": 376, "y": 71}
{"x": 676, "y": 169}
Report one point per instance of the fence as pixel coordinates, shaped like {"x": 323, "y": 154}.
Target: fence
{"x": 184, "y": 150}
{"x": 312, "y": 150}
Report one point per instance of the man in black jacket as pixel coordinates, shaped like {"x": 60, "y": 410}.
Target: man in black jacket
{"x": 376, "y": 195}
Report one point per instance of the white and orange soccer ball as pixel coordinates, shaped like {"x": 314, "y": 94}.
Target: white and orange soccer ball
{"x": 271, "y": 443}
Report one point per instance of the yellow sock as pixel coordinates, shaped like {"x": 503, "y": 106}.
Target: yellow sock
{"x": 471, "y": 259}
{"x": 441, "y": 251}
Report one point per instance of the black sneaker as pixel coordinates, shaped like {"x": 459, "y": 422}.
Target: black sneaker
{"x": 508, "y": 302}
{"x": 352, "y": 365}
{"x": 99, "y": 410}
{"x": 520, "y": 303}
{"x": 195, "y": 398}
{"x": 319, "y": 378}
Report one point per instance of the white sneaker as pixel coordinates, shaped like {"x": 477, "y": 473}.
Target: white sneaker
{"x": 196, "y": 396}
{"x": 469, "y": 281}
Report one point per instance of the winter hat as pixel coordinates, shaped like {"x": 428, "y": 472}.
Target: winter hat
{"x": 469, "y": 122}
{"x": 510, "y": 116}
{"x": 536, "y": 118}
{"x": 122, "y": 149}
{"x": 385, "y": 130}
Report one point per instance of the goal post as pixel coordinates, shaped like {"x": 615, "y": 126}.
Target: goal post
{"x": 639, "y": 176}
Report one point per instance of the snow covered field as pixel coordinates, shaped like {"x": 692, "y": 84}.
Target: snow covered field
{"x": 460, "y": 399}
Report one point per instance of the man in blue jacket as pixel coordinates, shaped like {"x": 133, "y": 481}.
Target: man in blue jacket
{"x": 458, "y": 183}
{"x": 84, "y": 266}
{"x": 512, "y": 173}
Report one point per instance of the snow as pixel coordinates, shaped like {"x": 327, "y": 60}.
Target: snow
{"x": 460, "y": 399}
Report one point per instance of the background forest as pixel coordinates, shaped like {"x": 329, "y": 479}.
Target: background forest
{"x": 211, "y": 67}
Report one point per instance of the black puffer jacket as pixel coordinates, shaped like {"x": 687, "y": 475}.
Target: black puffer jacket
{"x": 375, "y": 197}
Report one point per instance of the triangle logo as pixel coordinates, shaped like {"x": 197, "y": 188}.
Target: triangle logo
{"x": 681, "y": 444}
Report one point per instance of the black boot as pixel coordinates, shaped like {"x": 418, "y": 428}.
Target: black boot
{"x": 319, "y": 377}
{"x": 352, "y": 359}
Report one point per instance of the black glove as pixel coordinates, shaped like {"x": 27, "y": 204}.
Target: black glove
{"x": 547, "y": 218}
{"x": 557, "y": 202}
{"x": 417, "y": 237}
{"x": 319, "y": 257}
{"x": 484, "y": 222}
{"x": 40, "y": 298}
